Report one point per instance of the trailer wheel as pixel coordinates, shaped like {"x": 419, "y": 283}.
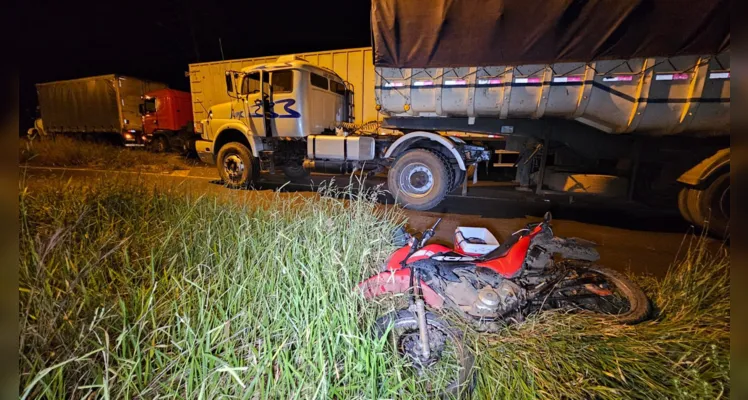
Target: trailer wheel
{"x": 419, "y": 179}
{"x": 711, "y": 204}
{"x": 236, "y": 166}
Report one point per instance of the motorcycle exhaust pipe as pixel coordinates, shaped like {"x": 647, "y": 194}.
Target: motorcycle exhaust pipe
{"x": 336, "y": 166}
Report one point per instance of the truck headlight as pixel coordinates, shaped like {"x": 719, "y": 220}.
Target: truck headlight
{"x": 198, "y": 127}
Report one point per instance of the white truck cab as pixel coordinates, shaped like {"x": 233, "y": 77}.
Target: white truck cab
{"x": 290, "y": 98}
{"x": 296, "y": 116}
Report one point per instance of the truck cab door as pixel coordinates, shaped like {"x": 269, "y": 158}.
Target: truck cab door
{"x": 150, "y": 116}
{"x": 285, "y": 120}
{"x": 258, "y": 102}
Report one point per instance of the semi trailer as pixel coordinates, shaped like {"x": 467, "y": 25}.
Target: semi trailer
{"x": 640, "y": 118}
{"x": 99, "y": 107}
{"x": 626, "y": 99}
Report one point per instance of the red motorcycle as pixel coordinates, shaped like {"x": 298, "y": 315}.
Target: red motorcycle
{"x": 532, "y": 271}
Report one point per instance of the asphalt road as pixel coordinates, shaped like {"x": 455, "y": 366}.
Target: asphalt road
{"x": 629, "y": 237}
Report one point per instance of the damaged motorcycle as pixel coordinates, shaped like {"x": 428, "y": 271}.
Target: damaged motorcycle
{"x": 532, "y": 271}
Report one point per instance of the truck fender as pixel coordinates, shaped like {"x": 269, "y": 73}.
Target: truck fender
{"x": 255, "y": 144}
{"x": 409, "y": 139}
{"x": 701, "y": 172}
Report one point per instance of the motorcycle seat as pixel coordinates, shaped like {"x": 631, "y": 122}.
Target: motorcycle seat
{"x": 504, "y": 248}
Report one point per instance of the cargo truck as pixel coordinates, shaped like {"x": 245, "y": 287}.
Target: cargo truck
{"x": 167, "y": 120}
{"x": 295, "y": 117}
{"x": 634, "y": 120}
{"x": 102, "y": 107}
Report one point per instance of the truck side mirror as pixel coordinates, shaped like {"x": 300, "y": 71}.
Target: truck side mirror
{"x": 229, "y": 82}
{"x": 141, "y": 109}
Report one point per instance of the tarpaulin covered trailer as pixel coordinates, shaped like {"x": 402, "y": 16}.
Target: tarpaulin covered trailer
{"x": 616, "y": 88}
{"x": 620, "y": 66}
{"x": 105, "y": 104}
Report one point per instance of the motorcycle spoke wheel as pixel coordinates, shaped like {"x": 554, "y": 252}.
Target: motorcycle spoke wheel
{"x": 604, "y": 291}
{"x": 448, "y": 371}
{"x": 442, "y": 366}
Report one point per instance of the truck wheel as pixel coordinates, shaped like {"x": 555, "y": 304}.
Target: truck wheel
{"x": 419, "y": 179}
{"x": 460, "y": 176}
{"x": 711, "y": 204}
{"x": 160, "y": 144}
{"x": 296, "y": 173}
{"x": 236, "y": 166}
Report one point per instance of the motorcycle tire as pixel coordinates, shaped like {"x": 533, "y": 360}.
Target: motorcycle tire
{"x": 406, "y": 320}
{"x": 639, "y": 305}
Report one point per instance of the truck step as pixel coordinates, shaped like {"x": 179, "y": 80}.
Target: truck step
{"x": 267, "y": 164}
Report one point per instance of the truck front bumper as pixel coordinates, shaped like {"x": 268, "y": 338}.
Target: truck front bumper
{"x": 204, "y": 150}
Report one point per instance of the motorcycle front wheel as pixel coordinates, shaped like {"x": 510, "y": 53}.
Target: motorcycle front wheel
{"x": 605, "y": 291}
{"x": 448, "y": 372}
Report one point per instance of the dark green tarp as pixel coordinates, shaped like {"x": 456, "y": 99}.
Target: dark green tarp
{"x": 451, "y": 33}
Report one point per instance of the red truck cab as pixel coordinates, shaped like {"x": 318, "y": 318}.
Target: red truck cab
{"x": 167, "y": 119}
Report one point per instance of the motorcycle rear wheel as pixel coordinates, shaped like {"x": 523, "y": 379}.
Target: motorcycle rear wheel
{"x": 405, "y": 322}
{"x": 638, "y": 304}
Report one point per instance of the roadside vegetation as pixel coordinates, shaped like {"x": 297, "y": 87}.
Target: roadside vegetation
{"x": 128, "y": 292}
{"x": 63, "y": 151}
{"x": 682, "y": 353}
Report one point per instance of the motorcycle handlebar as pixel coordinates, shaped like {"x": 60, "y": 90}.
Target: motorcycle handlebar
{"x": 428, "y": 233}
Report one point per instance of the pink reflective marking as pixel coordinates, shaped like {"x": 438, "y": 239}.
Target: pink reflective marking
{"x": 423, "y": 83}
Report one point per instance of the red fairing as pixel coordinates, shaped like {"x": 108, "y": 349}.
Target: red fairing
{"x": 509, "y": 265}
{"x": 394, "y": 263}
{"x": 397, "y": 281}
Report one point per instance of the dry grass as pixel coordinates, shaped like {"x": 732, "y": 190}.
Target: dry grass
{"x": 67, "y": 152}
{"x": 683, "y": 353}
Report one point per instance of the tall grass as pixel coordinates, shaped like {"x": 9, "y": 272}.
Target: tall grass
{"x": 63, "y": 151}
{"x": 682, "y": 353}
{"x": 128, "y": 292}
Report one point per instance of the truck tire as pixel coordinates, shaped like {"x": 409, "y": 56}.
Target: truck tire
{"x": 236, "y": 166}
{"x": 453, "y": 170}
{"x": 296, "y": 173}
{"x": 160, "y": 144}
{"x": 460, "y": 176}
{"x": 419, "y": 179}
{"x": 710, "y": 207}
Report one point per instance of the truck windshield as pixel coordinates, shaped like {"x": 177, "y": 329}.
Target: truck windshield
{"x": 150, "y": 105}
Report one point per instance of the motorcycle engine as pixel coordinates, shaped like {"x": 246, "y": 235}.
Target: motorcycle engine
{"x": 488, "y": 301}
{"x": 492, "y": 302}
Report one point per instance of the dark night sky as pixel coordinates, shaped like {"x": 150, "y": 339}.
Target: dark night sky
{"x": 157, "y": 39}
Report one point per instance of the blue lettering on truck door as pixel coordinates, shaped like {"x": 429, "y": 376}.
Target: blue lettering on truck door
{"x": 287, "y": 111}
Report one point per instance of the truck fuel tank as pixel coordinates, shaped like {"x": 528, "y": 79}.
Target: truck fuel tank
{"x": 328, "y": 147}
